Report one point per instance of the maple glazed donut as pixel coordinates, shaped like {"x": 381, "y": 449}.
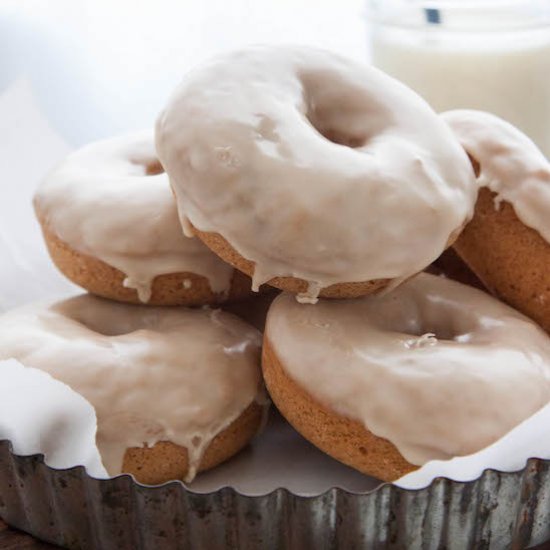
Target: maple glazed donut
{"x": 110, "y": 223}
{"x": 316, "y": 174}
{"x": 175, "y": 390}
{"x": 434, "y": 369}
{"x": 507, "y": 243}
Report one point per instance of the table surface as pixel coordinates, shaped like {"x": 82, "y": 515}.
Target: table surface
{"x": 10, "y": 539}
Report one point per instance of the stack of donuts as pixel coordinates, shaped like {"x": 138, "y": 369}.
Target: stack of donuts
{"x": 295, "y": 169}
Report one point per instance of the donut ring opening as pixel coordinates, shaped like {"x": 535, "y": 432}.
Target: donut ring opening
{"x": 446, "y": 325}
{"x": 149, "y": 165}
{"x": 154, "y": 168}
{"x": 334, "y": 110}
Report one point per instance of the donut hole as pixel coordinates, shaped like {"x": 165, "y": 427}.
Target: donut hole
{"x": 440, "y": 332}
{"x": 153, "y": 168}
{"x": 321, "y": 121}
{"x": 422, "y": 322}
{"x": 338, "y": 109}
{"x": 107, "y": 328}
{"x": 147, "y": 166}
{"x": 475, "y": 165}
{"x": 106, "y": 318}
{"x": 424, "y": 333}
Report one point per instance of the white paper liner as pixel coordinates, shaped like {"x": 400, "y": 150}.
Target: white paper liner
{"x": 28, "y": 149}
{"x": 531, "y": 439}
{"x": 39, "y": 414}
{"x": 280, "y": 457}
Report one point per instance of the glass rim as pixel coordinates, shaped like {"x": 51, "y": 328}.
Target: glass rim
{"x": 544, "y": 25}
{"x": 375, "y": 13}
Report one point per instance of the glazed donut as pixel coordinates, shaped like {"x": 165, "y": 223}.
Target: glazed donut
{"x": 310, "y": 172}
{"x": 175, "y": 390}
{"x": 434, "y": 369}
{"x": 507, "y": 243}
{"x": 110, "y": 223}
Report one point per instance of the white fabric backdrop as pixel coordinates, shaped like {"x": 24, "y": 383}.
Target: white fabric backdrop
{"x": 99, "y": 67}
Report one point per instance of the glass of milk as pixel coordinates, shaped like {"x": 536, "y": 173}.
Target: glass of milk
{"x": 492, "y": 55}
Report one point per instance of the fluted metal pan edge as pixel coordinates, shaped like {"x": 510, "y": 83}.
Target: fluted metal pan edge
{"x": 74, "y": 510}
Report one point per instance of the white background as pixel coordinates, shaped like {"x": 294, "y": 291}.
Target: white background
{"x": 99, "y": 67}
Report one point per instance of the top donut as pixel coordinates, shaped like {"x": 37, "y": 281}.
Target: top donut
{"x": 311, "y": 172}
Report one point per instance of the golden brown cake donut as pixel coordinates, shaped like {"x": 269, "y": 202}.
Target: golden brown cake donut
{"x": 175, "y": 390}
{"x": 110, "y": 224}
{"x": 315, "y": 174}
{"x": 507, "y": 243}
{"x": 388, "y": 383}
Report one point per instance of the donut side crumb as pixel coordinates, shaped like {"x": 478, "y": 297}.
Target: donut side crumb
{"x": 102, "y": 279}
{"x": 511, "y": 259}
{"x": 167, "y": 461}
{"x": 342, "y": 438}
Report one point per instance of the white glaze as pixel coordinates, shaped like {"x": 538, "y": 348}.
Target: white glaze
{"x": 101, "y": 201}
{"x": 438, "y": 368}
{"x": 511, "y": 165}
{"x": 39, "y": 414}
{"x": 242, "y": 140}
{"x": 152, "y": 374}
